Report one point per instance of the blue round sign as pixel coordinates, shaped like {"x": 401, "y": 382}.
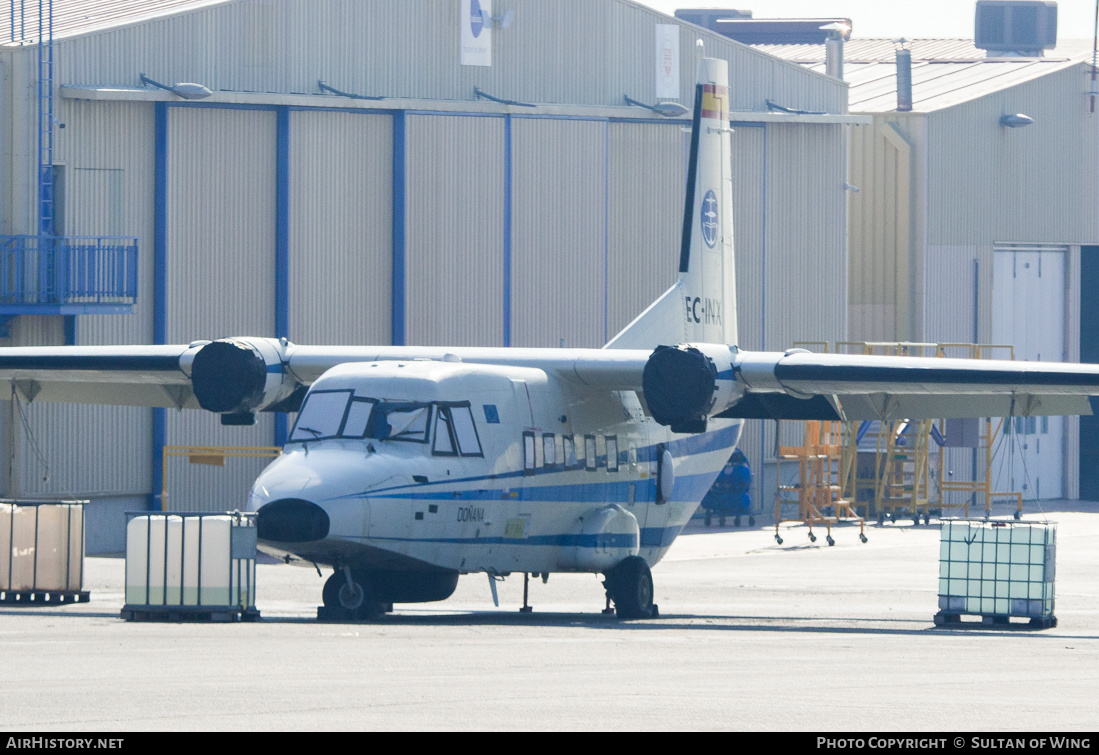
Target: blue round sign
{"x": 476, "y": 20}
{"x": 709, "y": 219}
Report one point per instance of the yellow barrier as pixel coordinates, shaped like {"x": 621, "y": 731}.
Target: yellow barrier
{"x": 212, "y": 456}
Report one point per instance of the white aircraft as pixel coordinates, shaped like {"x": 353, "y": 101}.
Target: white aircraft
{"x": 408, "y": 467}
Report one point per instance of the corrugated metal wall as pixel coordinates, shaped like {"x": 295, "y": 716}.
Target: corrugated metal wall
{"x": 791, "y": 254}
{"x": 558, "y": 51}
{"x": 559, "y": 264}
{"x": 879, "y": 242}
{"x": 455, "y": 231}
{"x": 221, "y": 262}
{"x": 7, "y": 141}
{"x": 107, "y": 159}
{"x": 647, "y": 168}
{"x": 341, "y": 238}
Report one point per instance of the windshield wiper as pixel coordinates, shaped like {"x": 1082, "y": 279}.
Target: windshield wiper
{"x": 316, "y": 433}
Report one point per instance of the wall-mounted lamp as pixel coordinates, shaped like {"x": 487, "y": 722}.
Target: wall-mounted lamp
{"x": 665, "y": 109}
{"x": 1017, "y": 120}
{"x": 185, "y": 90}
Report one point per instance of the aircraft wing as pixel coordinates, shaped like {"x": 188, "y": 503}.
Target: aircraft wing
{"x": 245, "y": 375}
{"x": 802, "y": 385}
{"x": 120, "y": 375}
{"x": 682, "y": 386}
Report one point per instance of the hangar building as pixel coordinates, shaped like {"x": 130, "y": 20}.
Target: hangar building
{"x": 360, "y": 172}
{"x": 973, "y": 225}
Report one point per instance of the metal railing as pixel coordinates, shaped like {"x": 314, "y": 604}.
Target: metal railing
{"x": 68, "y": 270}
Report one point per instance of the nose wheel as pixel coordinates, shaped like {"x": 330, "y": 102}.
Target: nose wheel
{"x": 346, "y": 595}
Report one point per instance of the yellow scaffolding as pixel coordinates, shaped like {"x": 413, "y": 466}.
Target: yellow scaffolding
{"x": 817, "y": 493}
{"x": 211, "y": 456}
{"x": 901, "y": 474}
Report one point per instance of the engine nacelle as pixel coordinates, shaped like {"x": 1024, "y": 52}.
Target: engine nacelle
{"x": 684, "y": 384}
{"x": 240, "y": 376}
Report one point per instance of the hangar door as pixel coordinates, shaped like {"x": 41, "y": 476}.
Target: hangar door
{"x": 1028, "y": 312}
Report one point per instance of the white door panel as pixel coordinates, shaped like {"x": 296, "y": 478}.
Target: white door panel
{"x": 1028, "y": 312}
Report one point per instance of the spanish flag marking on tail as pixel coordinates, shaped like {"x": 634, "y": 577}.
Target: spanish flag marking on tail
{"x": 715, "y": 102}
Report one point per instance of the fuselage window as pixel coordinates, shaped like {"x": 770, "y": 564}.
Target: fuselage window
{"x": 321, "y": 416}
{"x": 568, "y": 445}
{"x": 529, "y": 461}
{"x": 549, "y": 450}
{"x": 612, "y": 453}
{"x": 465, "y": 431}
{"x": 589, "y": 451}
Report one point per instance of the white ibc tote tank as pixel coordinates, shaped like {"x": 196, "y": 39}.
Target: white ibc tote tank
{"x": 42, "y": 547}
{"x": 189, "y": 561}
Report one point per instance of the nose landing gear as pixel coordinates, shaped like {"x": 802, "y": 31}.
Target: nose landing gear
{"x": 346, "y": 596}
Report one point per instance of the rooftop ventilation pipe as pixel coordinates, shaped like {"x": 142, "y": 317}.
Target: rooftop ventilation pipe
{"x": 833, "y": 48}
{"x": 904, "y": 80}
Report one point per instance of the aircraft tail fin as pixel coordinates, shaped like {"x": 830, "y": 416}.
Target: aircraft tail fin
{"x": 701, "y": 306}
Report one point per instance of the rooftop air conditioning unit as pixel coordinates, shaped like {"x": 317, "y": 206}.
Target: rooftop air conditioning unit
{"x": 1018, "y": 27}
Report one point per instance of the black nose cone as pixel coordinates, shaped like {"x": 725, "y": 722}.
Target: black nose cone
{"x": 292, "y": 520}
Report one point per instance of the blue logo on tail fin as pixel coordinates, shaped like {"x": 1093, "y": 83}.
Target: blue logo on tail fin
{"x": 709, "y": 218}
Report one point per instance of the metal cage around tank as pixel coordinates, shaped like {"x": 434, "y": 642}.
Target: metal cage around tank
{"x": 42, "y": 543}
{"x": 190, "y": 566}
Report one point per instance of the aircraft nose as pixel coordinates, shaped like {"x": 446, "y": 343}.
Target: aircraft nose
{"x": 292, "y": 520}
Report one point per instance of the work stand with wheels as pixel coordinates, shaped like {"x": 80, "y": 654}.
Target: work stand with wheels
{"x": 817, "y": 491}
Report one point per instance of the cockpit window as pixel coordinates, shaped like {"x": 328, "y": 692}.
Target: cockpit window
{"x": 321, "y": 416}
{"x": 358, "y": 419}
{"x": 466, "y": 430}
{"x": 405, "y": 421}
{"x": 444, "y": 439}
{"x": 336, "y": 414}
{"x": 456, "y": 431}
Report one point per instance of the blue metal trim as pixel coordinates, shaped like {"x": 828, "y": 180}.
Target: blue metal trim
{"x": 400, "y": 122}
{"x": 160, "y": 226}
{"x": 66, "y": 309}
{"x": 282, "y": 247}
{"x": 606, "y": 231}
{"x": 282, "y": 224}
{"x": 507, "y": 229}
{"x": 70, "y": 330}
{"x": 763, "y": 337}
{"x": 160, "y": 289}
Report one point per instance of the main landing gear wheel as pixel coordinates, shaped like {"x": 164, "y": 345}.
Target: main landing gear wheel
{"x": 630, "y": 586}
{"x": 348, "y": 591}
